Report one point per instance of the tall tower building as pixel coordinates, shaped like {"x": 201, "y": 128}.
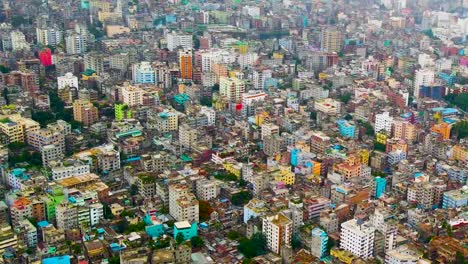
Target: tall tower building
{"x": 357, "y": 237}
{"x": 331, "y": 39}
{"x": 278, "y": 230}
{"x": 143, "y": 72}
{"x": 84, "y": 111}
{"x": 185, "y": 64}
{"x": 231, "y": 88}
{"x": 422, "y": 77}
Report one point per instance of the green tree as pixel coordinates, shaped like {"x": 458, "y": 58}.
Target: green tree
{"x": 296, "y": 242}
{"x": 348, "y": 117}
{"x": 114, "y": 260}
{"x": 253, "y": 247}
{"x": 345, "y": 97}
{"x": 180, "y": 238}
{"x": 133, "y": 190}
{"x": 206, "y": 101}
{"x": 241, "y": 198}
{"x": 197, "y": 242}
{"x": 233, "y": 235}
{"x": 4, "y": 69}
{"x": 460, "y": 258}
{"x": 460, "y": 129}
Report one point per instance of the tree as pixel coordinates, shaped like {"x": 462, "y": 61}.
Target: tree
{"x": 348, "y": 117}
{"x": 197, "y": 242}
{"x": 205, "y": 210}
{"x": 133, "y": 190}
{"x": 233, "y": 235}
{"x": 459, "y": 258}
{"x": 206, "y": 101}
{"x": 114, "y": 260}
{"x": 4, "y": 69}
{"x": 241, "y": 198}
{"x": 460, "y": 129}
{"x": 296, "y": 242}
{"x": 107, "y": 211}
{"x": 253, "y": 247}
{"x": 180, "y": 238}
{"x": 345, "y": 97}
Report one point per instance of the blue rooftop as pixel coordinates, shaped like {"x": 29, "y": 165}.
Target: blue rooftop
{"x": 57, "y": 260}
{"x": 42, "y": 224}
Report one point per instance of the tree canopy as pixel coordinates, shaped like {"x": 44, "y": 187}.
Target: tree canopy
{"x": 253, "y": 247}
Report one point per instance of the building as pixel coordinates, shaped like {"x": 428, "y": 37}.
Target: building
{"x": 231, "y": 88}
{"x": 15, "y": 127}
{"x": 404, "y": 130}
{"x": 379, "y": 185}
{"x": 84, "y": 111}
{"x": 28, "y": 233}
{"x": 8, "y": 238}
{"x": 403, "y": 255}
{"x": 328, "y": 106}
{"x": 331, "y": 39}
{"x": 51, "y": 153}
{"x": 253, "y": 209}
{"x": 278, "y": 230}
{"x": 186, "y": 64}
{"x": 186, "y": 229}
{"x": 319, "y": 243}
{"x": 183, "y": 205}
{"x": 269, "y": 130}
{"x": 357, "y": 237}
{"x": 66, "y": 215}
{"x": 207, "y": 189}
{"x": 66, "y": 170}
{"x": 175, "y": 40}
{"x": 49, "y": 36}
{"x": 18, "y": 41}
{"x": 187, "y": 136}
{"x": 68, "y": 80}
{"x": 443, "y": 129}
{"x": 455, "y": 198}
{"x": 383, "y": 122}
{"x": 143, "y": 73}
{"x": 346, "y": 128}
{"x": 422, "y": 77}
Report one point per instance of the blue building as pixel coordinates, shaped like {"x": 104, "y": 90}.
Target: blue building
{"x": 294, "y": 154}
{"x": 186, "y": 229}
{"x": 380, "y": 186}
{"x": 449, "y": 78}
{"x": 319, "y": 245}
{"x": 433, "y": 92}
{"x": 346, "y": 128}
{"x": 154, "y": 227}
{"x": 143, "y": 72}
{"x": 455, "y": 198}
{"x": 85, "y": 4}
{"x": 57, "y": 260}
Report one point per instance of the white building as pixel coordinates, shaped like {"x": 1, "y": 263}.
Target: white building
{"x": 143, "y": 72}
{"x": 210, "y": 113}
{"x": 96, "y": 213}
{"x": 278, "y": 230}
{"x": 357, "y": 237}
{"x": 174, "y": 40}
{"x": 183, "y": 205}
{"x": 187, "y": 136}
{"x": 68, "y": 80}
{"x": 231, "y": 88}
{"x": 259, "y": 78}
{"x": 49, "y": 36}
{"x": 62, "y": 171}
{"x": 403, "y": 255}
{"x": 269, "y": 130}
{"x": 383, "y": 122}
{"x": 422, "y": 77}
{"x": 207, "y": 189}
{"x": 51, "y": 153}
{"x": 18, "y": 41}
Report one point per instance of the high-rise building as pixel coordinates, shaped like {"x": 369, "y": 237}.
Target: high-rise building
{"x": 386, "y": 231}
{"x": 231, "y": 88}
{"x": 331, "y": 39}
{"x": 175, "y": 40}
{"x": 404, "y": 130}
{"x": 143, "y": 72}
{"x": 68, "y": 80}
{"x": 183, "y": 205}
{"x": 8, "y": 238}
{"x": 186, "y": 64}
{"x": 45, "y": 56}
{"x": 51, "y": 153}
{"x": 187, "y": 136}
{"x": 319, "y": 243}
{"x": 49, "y": 36}
{"x": 379, "y": 185}
{"x": 278, "y": 230}
{"x": 18, "y": 41}
{"x": 84, "y": 111}
{"x": 422, "y": 77}
{"x": 357, "y": 237}
{"x": 95, "y": 61}
{"x": 383, "y": 122}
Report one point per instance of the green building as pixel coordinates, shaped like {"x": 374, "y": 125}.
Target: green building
{"x": 122, "y": 111}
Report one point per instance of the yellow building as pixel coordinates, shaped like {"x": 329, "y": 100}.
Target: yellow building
{"x": 459, "y": 153}
{"x": 285, "y": 175}
{"x": 364, "y": 154}
{"x": 15, "y": 127}
{"x": 381, "y": 138}
{"x": 342, "y": 255}
{"x": 316, "y": 167}
{"x": 235, "y": 169}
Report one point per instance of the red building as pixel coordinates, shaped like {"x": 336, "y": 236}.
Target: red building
{"x": 45, "y": 56}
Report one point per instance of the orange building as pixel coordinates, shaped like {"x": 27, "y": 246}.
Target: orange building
{"x": 442, "y": 129}
{"x": 185, "y": 64}
{"x": 460, "y": 153}
{"x": 84, "y": 111}
{"x": 349, "y": 168}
